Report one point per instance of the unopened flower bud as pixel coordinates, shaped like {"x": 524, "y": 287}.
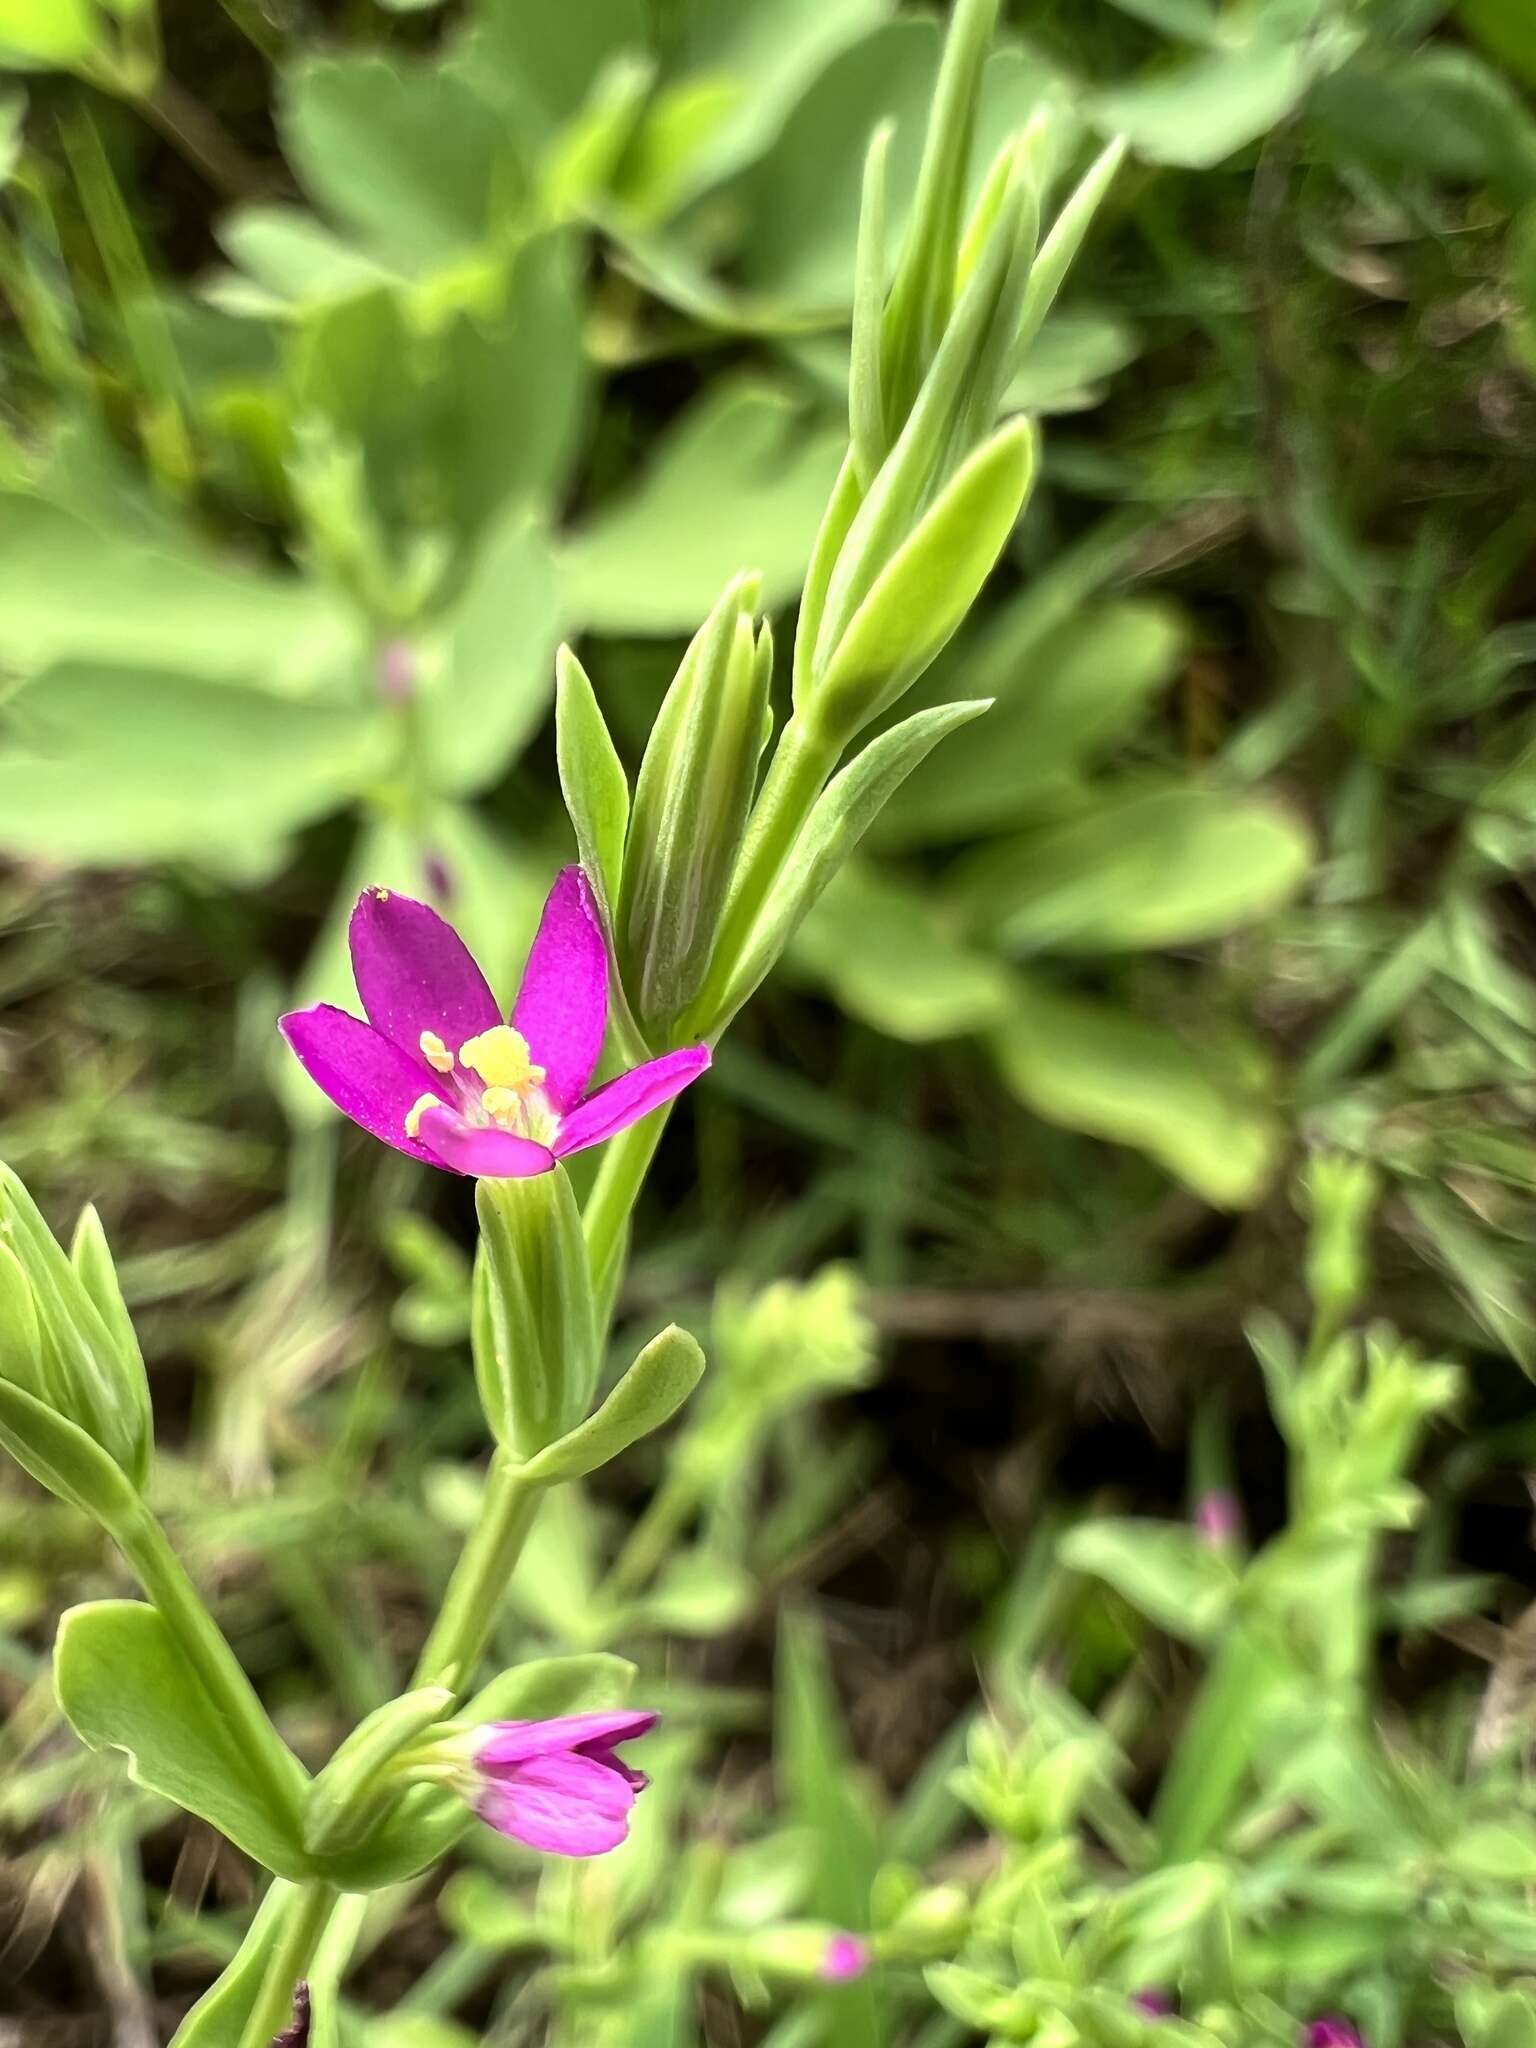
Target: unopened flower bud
{"x": 65, "y": 1336}
{"x": 1332, "y": 2032}
{"x": 692, "y": 797}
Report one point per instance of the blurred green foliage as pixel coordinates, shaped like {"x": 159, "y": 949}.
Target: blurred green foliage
{"x": 354, "y": 358}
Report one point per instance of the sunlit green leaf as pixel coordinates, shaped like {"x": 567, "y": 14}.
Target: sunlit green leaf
{"x": 739, "y": 483}
{"x": 1199, "y": 1105}
{"x": 124, "y": 1684}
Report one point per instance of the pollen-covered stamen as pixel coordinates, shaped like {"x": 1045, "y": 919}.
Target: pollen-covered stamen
{"x": 501, "y": 1058}
{"x": 435, "y": 1053}
{"x": 417, "y": 1111}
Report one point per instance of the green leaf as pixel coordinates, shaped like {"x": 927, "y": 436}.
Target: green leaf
{"x": 1194, "y": 20}
{"x": 592, "y": 780}
{"x": 408, "y": 157}
{"x": 924, "y": 591}
{"x": 124, "y": 1683}
{"x": 738, "y": 484}
{"x": 539, "y": 78}
{"x": 1064, "y": 367}
{"x": 1438, "y": 109}
{"x": 60, "y": 1456}
{"x": 129, "y": 765}
{"x": 1500, "y": 1850}
{"x": 650, "y": 1393}
{"x": 549, "y": 1686}
{"x": 800, "y": 202}
{"x": 507, "y": 388}
{"x": 1156, "y": 865}
{"x": 1200, "y": 1107}
{"x": 489, "y": 699}
{"x": 1198, "y": 115}
{"x": 1506, "y": 29}
{"x": 1059, "y": 698}
{"x": 218, "y": 2019}
{"x": 75, "y": 588}
{"x": 47, "y": 33}
{"x": 292, "y": 257}
{"x": 884, "y": 954}
{"x": 843, "y": 813}
{"x": 1169, "y": 1574}
{"x": 769, "y": 52}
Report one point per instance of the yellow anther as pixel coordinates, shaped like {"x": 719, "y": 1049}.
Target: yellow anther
{"x": 435, "y": 1053}
{"x": 416, "y": 1111}
{"x": 500, "y": 1057}
{"x": 501, "y": 1102}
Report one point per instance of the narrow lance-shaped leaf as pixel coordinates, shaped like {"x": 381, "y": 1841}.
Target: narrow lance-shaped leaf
{"x": 592, "y": 778}
{"x": 1060, "y": 247}
{"x": 929, "y": 585}
{"x": 650, "y": 1393}
{"x": 923, "y": 292}
{"x": 866, "y": 384}
{"x": 845, "y": 810}
{"x": 916, "y": 463}
{"x": 60, "y": 1456}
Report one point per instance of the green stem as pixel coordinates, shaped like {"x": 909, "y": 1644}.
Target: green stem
{"x": 164, "y": 1578}
{"x": 463, "y": 1626}
{"x": 605, "y": 1219}
{"x": 802, "y": 763}
{"x": 306, "y": 1918}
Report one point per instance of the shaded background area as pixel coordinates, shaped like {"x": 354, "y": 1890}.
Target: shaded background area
{"x": 353, "y": 357}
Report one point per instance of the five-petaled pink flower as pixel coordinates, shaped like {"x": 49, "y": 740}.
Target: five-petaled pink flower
{"x": 436, "y": 1073}
{"x": 558, "y": 1785}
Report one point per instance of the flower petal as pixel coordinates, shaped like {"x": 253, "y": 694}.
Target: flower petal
{"x": 565, "y": 1804}
{"x": 480, "y": 1150}
{"x": 368, "y": 1078}
{"x": 629, "y": 1097}
{"x": 513, "y": 1742}
{"x": 415, "y": 974}
{"x": 562, "y": 1006}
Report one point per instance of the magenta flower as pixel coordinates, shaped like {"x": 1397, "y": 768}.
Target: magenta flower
{"x": 1218, "y": 1518}
{"x": 1153, "y": 2005}
{"x": 846, "y": 1958}
{"x": 436, "y": 1073}
{"x": 557, "y": 1785}
{"x": 1332, "y": 2032}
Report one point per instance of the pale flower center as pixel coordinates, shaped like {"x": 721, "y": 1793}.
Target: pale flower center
{"x": 510, "y": 1096}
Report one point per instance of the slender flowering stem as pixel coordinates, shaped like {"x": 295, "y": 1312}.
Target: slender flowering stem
{"x": 305, "y": 1920}
{"x": 468, "y": 1614}
{"x": 605, "y": 1219}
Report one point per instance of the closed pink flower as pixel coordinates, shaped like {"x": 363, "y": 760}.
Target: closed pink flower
{"x": 559, "y": 1785}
